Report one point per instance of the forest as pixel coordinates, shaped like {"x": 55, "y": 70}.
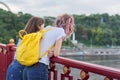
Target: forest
{"x": 96, "y": 29}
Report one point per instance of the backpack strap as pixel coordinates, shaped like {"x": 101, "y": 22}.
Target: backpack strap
{"x": 46, "y": 52}
{"x": 20, "y": 33}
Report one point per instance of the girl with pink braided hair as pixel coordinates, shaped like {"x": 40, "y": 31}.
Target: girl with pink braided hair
{"x": 62, "y": 29}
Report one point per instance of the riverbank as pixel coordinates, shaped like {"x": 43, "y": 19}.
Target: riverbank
{"x": 89, "y": 51}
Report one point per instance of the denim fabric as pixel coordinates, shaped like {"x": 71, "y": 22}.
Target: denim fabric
{"x": 15, "y": 71}
{"x": 38, "y": 71}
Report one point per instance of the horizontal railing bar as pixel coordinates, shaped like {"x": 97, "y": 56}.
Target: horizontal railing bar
{"x": 2, "y": 45}
{"x": 98, "y": 69}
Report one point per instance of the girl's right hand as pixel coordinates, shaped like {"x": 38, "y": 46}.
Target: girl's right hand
{"x": 50, "y": 54}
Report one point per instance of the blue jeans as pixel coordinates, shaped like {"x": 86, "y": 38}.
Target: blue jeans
{"x": 38, "y": 71}
{"x": 15, "y": 71}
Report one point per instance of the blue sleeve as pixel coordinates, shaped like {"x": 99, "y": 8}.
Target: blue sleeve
{"x": 18, "y": 42}
{"x": 17, "y": 46}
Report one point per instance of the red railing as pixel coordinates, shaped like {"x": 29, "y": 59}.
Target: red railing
{"x": 84, "y": 68}
{"x": 6, "y": 57}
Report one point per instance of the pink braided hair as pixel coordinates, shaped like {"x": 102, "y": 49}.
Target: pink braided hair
{"x": 66, "y": 22}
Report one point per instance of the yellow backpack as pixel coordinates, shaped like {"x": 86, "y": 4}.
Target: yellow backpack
{"x": 29, "y": 49}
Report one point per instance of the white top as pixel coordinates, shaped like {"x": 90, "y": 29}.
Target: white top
{"x": 48, "y": 40}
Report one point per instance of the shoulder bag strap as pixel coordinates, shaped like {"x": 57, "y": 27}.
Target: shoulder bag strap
{"x": 46, "y": 52}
